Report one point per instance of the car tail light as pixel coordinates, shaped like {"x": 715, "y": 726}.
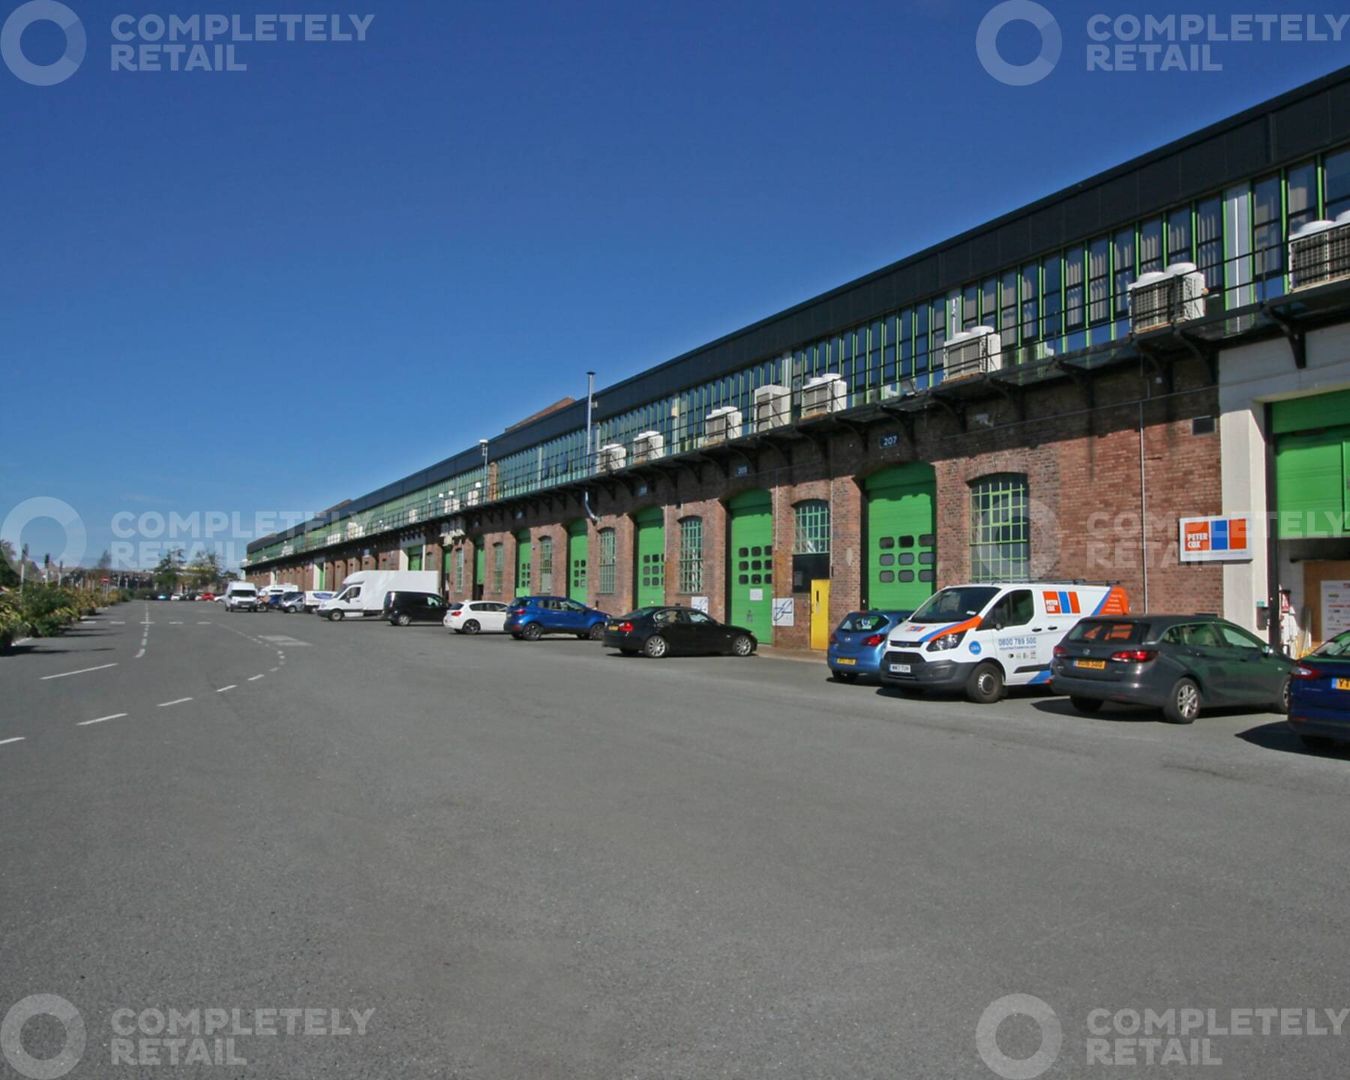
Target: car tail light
{"x": 1134, "y": 656}
{"x": 1301, "y": 672}
{"x": 1060, "y": 650}
{"x": 625, "y": 628}
{"x": 834, "y": 638}
{"x": 518, "y": 611}
{"x": 873, "y": 641}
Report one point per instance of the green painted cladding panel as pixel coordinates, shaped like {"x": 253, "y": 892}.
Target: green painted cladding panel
{"x": 750, "y": 573}
{"x": 479, "y": 563}
{"x": 650, "y": 564}
{"x": 577, "y": 582}
{"x": 1311, "y": 473}
{"x": 1309, "y": 413}
{"x": 901, "y": 537}
{"x": 524, "y": 563}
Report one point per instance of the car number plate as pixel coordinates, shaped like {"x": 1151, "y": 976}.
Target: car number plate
{"x": 846, "y": 661}
{"x": 612, "y": 626}
{"x": 1091, "y": 665}
{"x": 1341, "y": 684}
{"x": 900, "y": 669}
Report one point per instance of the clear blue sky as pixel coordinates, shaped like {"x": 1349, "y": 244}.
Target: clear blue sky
{"x": 279, "y": 288}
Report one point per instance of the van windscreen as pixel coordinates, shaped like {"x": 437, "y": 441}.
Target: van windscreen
{"x": 952, "y": 605}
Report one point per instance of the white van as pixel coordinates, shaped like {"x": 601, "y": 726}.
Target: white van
{"x": 363, "y": 592}
{"x": 241, "y": 596}
{"x": 981, "y": 638}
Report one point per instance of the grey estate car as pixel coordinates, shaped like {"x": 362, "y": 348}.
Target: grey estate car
{"x": 1178, "y": 663}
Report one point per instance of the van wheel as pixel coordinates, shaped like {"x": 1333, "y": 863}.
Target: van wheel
{"x": 985, "y": 685}
{"x": 531, "y": 632}
{"x": 1183, "y": 703}
{"x": 335, "y": 616}
{"x": 471, "y": 626}
{"x": 403, "y": 620}
{"x": 655, "y": 647}
{"x": 1086, "y": 705}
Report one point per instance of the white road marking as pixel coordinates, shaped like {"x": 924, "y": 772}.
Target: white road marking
{"x": 6, "y": 742}
{"x": 82, "y": 671}
{"x": 175, "y": 701}
{"x": 224, "y": 688}
{"x": 117, "y": 622}
{"x": 203, "y": 622}
{"x": 273, "y": 669}
{"x": 140, "y": 654}
{"x": 175, "y": 622}
{"x": 114, "y": 716}
{"x": 254, "y": 678}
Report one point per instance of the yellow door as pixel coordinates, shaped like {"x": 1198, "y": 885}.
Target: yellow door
{"x": 820, "y": 613}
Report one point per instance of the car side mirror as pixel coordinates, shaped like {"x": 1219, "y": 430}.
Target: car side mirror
{"x": 1266, "y": 650}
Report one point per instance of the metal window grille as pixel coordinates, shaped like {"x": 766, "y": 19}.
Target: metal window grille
{"x": 1000, "y": 520}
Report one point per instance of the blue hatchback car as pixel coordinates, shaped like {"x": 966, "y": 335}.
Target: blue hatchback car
{"x": 529, "y": 618}
{"x": 1319, "y": 694}
{"x": 856, "y": 646}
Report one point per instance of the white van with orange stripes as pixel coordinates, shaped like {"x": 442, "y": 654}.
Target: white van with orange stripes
{"x": 981, "y": 638}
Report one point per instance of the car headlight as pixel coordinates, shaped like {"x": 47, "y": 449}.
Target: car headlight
{"x": 946, "y": 642}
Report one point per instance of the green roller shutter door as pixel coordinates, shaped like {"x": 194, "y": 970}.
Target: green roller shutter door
{"x": 577, "y": 582}
{"x": 524, "y": 563}
{"x": 1311, "y": 475}
{"x": 479, "y": 562}
{"x": 750, "y": 594}
{"x": 901, "y": 537}
{"x": 650, "y": 564}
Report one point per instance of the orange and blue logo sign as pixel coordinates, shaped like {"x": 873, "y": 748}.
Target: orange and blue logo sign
{"x": 1062, "y": 603}
{"x": 1214, "y": 539}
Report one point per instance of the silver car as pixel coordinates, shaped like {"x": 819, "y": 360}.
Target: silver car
{"x": 1178, "y": 663}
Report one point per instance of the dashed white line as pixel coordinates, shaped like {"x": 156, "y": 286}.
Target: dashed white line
{"x": 203, "y": 622}
{"x": 274, "y": 669}
{"x": 66, "y": 674}
{"x": 175, "y": 622}
{"x": 139, "y": 654}
{"x": 6, "y": 742}
{"x": 175, "y": 701}
{"x": 117, "y": 622}
{"x": 101, "y": 719}
{"x": 254, "y": 678}
{"x": 224, "y": 688}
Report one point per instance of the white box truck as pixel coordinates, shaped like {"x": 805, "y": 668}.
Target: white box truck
{"x": 363, "y": 592}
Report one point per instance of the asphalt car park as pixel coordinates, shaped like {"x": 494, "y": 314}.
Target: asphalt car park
{"x": 550, "y": 859}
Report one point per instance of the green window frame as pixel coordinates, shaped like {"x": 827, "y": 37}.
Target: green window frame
{"x": 1000, "y": 528}
{"x": 459, "y": 569}
{"x": 811, "y": 533}
{"x": 608, "y": 562}
{"x": 691, "y": 555}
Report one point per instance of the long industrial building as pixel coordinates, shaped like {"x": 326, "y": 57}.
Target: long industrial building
{"x": 1143, "y": 378}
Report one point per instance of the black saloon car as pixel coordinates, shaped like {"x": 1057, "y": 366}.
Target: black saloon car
{"x": 1178, "y": 663}
{"x": 667, "y": 631}
{"x": 402, "y": 608}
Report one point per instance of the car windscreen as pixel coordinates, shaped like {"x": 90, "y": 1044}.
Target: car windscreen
{"x": 1338, "y": 648}
{"x": 243, "y": 592}
{"x": 1109, "y": 632}
{"x": 951, "y": 605}
{"x": 864, "y": 622}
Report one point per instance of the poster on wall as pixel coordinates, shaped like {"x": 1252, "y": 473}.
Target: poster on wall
{"x": 1335, "y": 608}
{"x": 699, "y": 603}
{"x": 784, "y": 611}
{"x": 1214, "y": 539}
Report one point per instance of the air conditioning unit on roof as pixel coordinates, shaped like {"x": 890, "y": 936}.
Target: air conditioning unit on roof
{"x": 722, "y": 425}
{"x": 610, "y": 458}
{"x": 1319, "y": 253}
{"x": 1165, "y": 297}
{"x": 978, "y": 351}
{"x": 773, "y": 407}
{"x": 648, "y": 446}
{"x": 824, "y": 394}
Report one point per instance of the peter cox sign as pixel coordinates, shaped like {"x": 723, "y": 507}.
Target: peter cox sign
{"x": 1215, "y": 539}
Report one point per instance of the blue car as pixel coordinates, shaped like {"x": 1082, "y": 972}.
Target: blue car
{"x": 1319, "y": 695}
{"x": 857, "y": 645}
{"x": 531, "y": 617}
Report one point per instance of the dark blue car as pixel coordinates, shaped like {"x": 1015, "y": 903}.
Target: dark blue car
{"x": 1319, "y": 694}
{"x": 531, "y": 617}
{"x": 857, "y": 645}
